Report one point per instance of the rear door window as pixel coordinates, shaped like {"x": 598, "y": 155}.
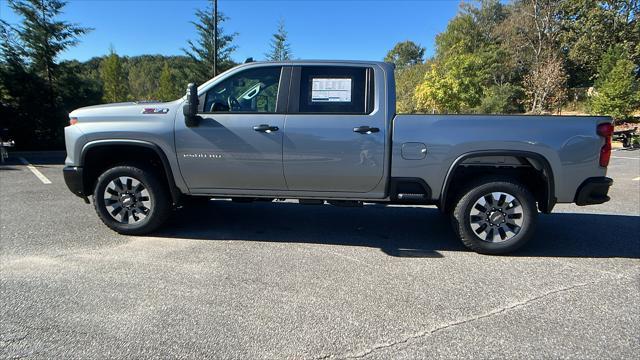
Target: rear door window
{"x": 334, "y": 90}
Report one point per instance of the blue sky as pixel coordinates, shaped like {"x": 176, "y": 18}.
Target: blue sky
{"x": 329, "y": 29}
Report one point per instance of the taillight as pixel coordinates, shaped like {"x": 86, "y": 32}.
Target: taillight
{"x": 73, "y": 121}
{"x": 606, "y": 131}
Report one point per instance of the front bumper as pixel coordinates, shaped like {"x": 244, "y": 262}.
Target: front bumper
{"x": 593, "y": 191}
{"x": 74, "y": 180}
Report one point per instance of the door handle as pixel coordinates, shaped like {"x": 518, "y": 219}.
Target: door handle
{"x": 366, "y": 129}
{"x": 265, "y": 128}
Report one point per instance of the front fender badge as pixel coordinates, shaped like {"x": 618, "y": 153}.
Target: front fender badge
{"x": 155, "y": 110}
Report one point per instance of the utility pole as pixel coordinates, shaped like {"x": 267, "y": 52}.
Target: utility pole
{"x": 215, "y": 37}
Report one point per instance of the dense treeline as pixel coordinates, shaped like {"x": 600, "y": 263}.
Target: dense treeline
{"x": 37, "y": 91}
{"x": 536, "y": 56}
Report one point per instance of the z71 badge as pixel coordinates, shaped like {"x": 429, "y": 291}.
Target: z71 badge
{"x": 155, "y": 110}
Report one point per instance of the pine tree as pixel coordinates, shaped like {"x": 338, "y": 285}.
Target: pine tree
{"x": 280, "y": 47}
{"x": 44, "y": 37}
{"x": 37, "y": 91}
{"x": 167, "y": 84}
{"x": 11, "y": 53}
{"x": 114, "y": 78}
{"x": 201, "y": 51}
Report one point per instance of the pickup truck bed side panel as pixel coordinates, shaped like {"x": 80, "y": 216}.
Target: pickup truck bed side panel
{"x": 569, "y": 143}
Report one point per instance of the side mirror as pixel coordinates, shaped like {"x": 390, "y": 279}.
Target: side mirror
{"x": 190, "y": 109}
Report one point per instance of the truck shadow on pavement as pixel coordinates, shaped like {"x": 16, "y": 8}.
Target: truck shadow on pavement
{"x": 397, "y": 231}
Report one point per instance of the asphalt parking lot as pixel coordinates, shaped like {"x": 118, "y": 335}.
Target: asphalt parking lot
{"x": 282, "y": 280}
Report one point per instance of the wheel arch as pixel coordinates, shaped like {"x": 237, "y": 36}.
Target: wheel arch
{"x": 539, "y": 162}
{"x": 115, "y": 144}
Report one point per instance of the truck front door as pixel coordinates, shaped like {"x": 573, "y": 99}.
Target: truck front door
{"x": 238, "y": 141}
{"x": 334, "y": 130}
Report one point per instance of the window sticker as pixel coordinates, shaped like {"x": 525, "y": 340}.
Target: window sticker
{"x": 330, "y": 90}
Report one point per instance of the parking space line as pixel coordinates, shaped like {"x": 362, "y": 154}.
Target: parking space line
{"x": 636, "y": 179}
{"x": 625, "y": 157}
{"x": 35, "y": 171}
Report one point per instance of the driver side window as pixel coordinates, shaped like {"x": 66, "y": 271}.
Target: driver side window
{"x": 253, "y": 90}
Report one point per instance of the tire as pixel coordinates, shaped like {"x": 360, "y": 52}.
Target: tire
{"x": 504, "y": 221}
{"x": 139, "y": 194}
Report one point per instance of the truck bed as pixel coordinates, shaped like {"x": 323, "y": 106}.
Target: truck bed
{"x": 569, "y": 144}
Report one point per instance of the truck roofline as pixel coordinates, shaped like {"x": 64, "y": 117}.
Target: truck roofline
{"x": 384, "y": 65}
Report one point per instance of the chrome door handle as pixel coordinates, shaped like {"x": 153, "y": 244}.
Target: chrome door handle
{"x": 265, "y": 128}
{"x": 366, "y": 129}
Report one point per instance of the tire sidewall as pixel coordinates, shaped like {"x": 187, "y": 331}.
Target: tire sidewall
{"x": 462, "y": 215}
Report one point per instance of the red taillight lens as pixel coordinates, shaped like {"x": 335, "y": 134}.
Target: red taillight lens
{"x": 73, "y": 121}
{"x": 606, "y": 131}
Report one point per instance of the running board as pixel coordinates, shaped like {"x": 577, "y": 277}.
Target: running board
{"x": 412, "y": 197}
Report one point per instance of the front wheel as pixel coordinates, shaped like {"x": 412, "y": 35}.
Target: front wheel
{"x": 495, "y": 216}
{"x": 131, "y": 200}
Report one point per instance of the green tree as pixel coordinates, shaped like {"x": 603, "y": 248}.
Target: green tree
{"x": 44, "y": 37}
{"x": 462, "y": 36}
{"x": 280, "y": 47}
{"x": 35, "y": 90}
{"x": 114, "y": 78}
{"x": 405, "y": 53}
{"x": 592, "y": 27}
{"x": 473, "y": 29}
{"x": 75, "y": 88}
{"x": 470, "y": 57}
{"x": 166, "y": 89}
{"x": 617, "y": 91}
{"x": 144, "y": 75}
{"x": 201, "y": 51}
{"x": 21, "y": 93}
{"x": 10, "y": 50}
{"x": 452, "y": 85}
{"x": 501, "y": 99}
{"x": 407, "y": 80}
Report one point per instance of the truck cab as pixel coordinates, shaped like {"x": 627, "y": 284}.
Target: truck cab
{"x": 258, "y": 120}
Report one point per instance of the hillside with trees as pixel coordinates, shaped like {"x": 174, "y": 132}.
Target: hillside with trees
{"x": 533, "y": 56}
{"x": 520, "y": 56}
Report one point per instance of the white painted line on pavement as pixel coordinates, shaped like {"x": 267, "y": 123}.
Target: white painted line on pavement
{"x": 35, "y": 171}
{"x": 636, "y": 179}
{"x": 625, "y": 157}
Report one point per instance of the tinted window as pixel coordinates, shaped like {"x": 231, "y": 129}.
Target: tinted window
{"x": 330, "y": 89}
{"x": 253, "y": 90}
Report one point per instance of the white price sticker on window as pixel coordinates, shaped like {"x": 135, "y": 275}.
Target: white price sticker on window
{"x": 330, "y": 90}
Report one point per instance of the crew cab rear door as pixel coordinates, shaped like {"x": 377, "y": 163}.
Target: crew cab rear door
{"x": 238, "y": 142}
{"x": 334, "y": 138}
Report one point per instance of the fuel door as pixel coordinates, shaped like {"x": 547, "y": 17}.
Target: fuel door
{"x": 414, "y": 151}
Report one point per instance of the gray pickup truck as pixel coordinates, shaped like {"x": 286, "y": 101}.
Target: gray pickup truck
{"x": 327, "y": 132}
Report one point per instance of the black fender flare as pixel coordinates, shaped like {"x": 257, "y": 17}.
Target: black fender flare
{"x": 173, "y": 188}
{"x": 550, "y": 198}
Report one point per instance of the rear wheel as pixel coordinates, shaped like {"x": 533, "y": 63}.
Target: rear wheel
{"x": 495, "y": 216}
{"x": 131, "y": 200}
